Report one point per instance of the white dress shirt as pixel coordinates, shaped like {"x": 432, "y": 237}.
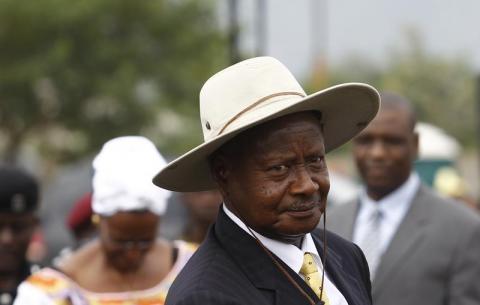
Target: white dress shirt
{"x": 293, "y": 257}
{"x": 394, "y": 207}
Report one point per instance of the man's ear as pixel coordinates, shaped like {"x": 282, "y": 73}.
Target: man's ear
{"x": 220, "y": 169}
{"x": 416, "y": 142}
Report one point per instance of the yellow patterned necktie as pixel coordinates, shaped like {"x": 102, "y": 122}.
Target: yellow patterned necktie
{"x": 312, "y": 276}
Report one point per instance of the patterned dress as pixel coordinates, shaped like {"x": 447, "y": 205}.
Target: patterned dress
{"x": 51, "y": 287}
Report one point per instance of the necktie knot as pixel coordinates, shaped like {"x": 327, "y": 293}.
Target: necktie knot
{"x": 308, "y": 266}
{"x": 310, "y": 271}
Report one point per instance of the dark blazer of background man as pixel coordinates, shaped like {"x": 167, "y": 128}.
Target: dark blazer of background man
{"x": 433, "y": 254}
{"x": 265, "y": 145}
{"x": 18, "y": 205}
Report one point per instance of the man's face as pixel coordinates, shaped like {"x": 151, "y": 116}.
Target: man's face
{"x": 385, "y": 150}
{"x": 16, "y": 230}
{"x": 278, "y": 182}
{"x": 127, "y": 237}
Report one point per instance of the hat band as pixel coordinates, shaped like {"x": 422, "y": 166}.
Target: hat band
{"x": 263, "y": 99}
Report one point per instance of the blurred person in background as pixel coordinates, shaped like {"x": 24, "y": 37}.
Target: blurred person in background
{"x": 37, "y": 248}
{"x": 80, "y": 221}
{"x": 127, "y": 264}
{"x": 81, "y": 225}
{"x": 202, "y": 209}
{"x": 18, "y": 221}
{"x": 421, "y": 248}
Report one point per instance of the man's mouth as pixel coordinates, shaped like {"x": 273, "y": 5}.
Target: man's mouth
{"x": 303, "y": 207}
{"x": 303, "y": 210}
{"x": 377, "y": 167}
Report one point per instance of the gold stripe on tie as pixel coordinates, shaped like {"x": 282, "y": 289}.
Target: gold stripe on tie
{"x": 312, "y": 277}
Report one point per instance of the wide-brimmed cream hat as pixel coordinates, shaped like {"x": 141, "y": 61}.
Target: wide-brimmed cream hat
{"x": 252, "y": 92}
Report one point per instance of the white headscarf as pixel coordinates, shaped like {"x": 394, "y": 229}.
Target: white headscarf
{"x": 122, "y": 180}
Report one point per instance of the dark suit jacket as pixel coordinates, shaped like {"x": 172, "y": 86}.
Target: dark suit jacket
{"x": 231, "y": 268}
{"x": 433, "y": 258}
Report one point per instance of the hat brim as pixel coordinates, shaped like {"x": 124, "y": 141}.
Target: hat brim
{"x": 346, "y": 110}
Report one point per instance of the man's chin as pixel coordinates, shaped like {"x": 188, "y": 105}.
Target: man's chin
{"x": 377, "y": 180}
{"x": 379, "y": 189}
{"x": 378, "y": 183}
{"x": 291, "y": 236}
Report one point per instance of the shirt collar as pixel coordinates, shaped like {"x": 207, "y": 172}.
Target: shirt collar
{"x": 389, "y": 205}
{"x": 289, "y": 254}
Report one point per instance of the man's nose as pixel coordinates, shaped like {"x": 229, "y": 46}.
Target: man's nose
{"x": 377, "y": 149}
{"x": 303, "y": 182}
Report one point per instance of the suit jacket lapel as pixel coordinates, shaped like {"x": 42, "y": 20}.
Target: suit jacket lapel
{"x": 345, "y": 283}
{"x": 408, "y": 235}
{"x": 257, "y": 266}
{"x": 347, "y": 213}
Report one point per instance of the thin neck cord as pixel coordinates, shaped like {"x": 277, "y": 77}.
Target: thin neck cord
{"x": 324, "y": 249}
{"x": 282, "y": 269}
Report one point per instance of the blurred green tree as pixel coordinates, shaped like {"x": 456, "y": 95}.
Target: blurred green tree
{"x": 76, "y": 73}
{"x": 442, "y": 89}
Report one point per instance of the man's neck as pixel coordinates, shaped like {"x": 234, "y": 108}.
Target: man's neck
{"x": 378, "y": 194}
{"x": 295, "y": 240}
{"x": 403, "y": 192}
{"x": 298, "y": 242}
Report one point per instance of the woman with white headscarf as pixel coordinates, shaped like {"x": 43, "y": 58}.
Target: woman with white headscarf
{"x": 127, "y": 264}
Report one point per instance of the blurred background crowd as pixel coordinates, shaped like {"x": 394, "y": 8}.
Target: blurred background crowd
{"x": 75, "y": 74}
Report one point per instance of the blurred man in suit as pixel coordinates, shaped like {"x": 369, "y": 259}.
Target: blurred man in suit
{"x": 265, "y": 146}
{"x": 202, "y": 210}
{"x": 422, "y": 249}
{"x": 18, "y": 220}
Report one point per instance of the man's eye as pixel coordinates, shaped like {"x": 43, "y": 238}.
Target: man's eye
{"x": 278, "y": 168}
{"x": 317, "y": 161}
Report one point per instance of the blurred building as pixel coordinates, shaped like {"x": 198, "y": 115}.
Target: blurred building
{"x": 437, "y": 150}
{"x": 437, "y": 164}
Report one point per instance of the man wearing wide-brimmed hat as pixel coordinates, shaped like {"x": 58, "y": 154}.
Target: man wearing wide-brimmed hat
{"x": 264, "y": 149}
